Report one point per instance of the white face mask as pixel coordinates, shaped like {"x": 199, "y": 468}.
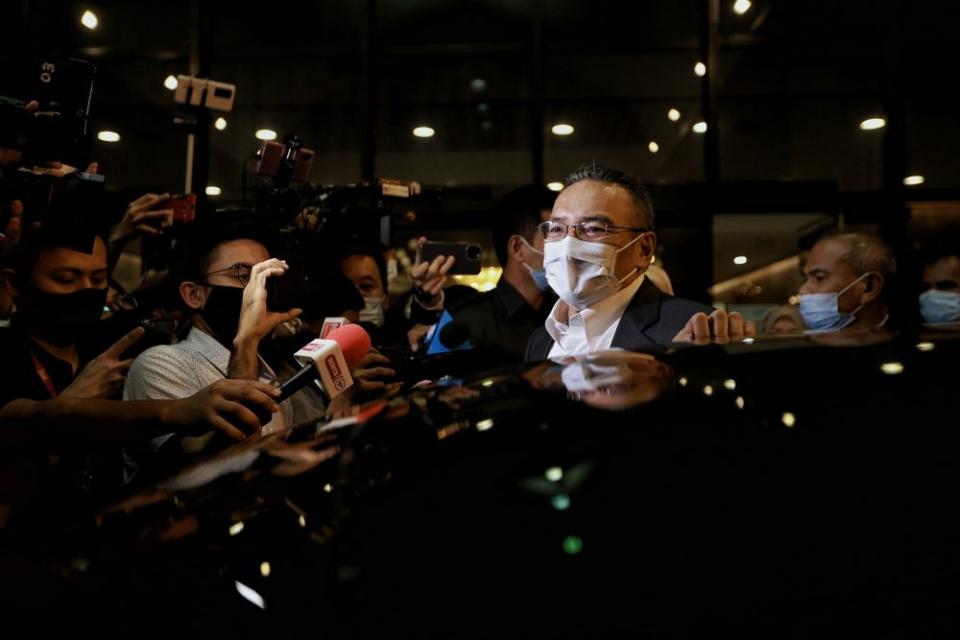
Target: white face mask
{"x": 821, "y": 311}
{"x": 372, "y": 312}
{"x": 583, "y": 273}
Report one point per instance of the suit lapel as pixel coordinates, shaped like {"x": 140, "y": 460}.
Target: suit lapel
{"x": 642, "y": 313}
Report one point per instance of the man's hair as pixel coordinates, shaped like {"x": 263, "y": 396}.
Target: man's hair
{"x": 518, "y": 213}
{"x": 372, "y": 251}
{"x": 865, "y": 252}
{"x": 940, "y": 249}
{"x": 23, "y": 257}
{"x": 193, "y": 252}
{"x": 642, "y": 204}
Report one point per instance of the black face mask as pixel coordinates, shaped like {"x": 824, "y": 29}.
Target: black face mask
{"x": 222, "y": 312}
{"x": 62, "y": 318}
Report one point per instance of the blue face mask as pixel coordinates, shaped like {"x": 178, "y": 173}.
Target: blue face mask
{"x": 539, "y": 276}
{"x": 940, "y": 307}
{"x": 821, "y": 311}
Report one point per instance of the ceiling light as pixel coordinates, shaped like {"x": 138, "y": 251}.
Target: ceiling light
{"x": 424, "y": 132}
{"x": 562, "y": 129}
{"x": 89, "y": 20}
{"x": 266, "y": 134}
{"x": 653, "y": 147}
{"x": 555, "y": 186}
{"x": 871, "y": 124}
{"x": 220, "y": 124}
{"x": 108, "y": 136}
{"x": 700, "y": 127}
{"x": 740, "y": 260}
{"x": 912, "y": 181}
{"x": 700, "y": 69}
{"x": 740, "y": 7}
{"x": 171, "y": 82}
{"x": 673, "y": 114}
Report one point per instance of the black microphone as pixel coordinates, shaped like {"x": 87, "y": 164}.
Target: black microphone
{"x": 454, "y": 334}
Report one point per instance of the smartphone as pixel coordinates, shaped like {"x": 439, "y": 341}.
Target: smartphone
{"x": 468, "y": 255}
{"x": 184, "y": 209}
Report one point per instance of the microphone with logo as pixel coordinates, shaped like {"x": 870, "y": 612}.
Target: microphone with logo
{"x": 329, "y": 360}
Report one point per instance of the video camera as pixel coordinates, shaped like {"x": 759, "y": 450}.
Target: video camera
{"x": 57, "y": 129}
{"x": 352, "y": 213}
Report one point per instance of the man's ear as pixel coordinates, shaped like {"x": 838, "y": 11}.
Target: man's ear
{"x": 648, "y": 246}
{"x": 194, "y": 295}
{"x": 873, "y": 286}
{"x": 515, "y": 247}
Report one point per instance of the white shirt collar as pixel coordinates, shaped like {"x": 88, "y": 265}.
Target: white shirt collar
{"x": 593, "y": 325}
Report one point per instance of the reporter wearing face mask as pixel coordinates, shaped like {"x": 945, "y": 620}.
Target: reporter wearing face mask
{"x": 364, "y": 266}
{"x": 940, "y": 300}
{"x": 501, "y": 320}
{"x": 598, "y": 245}
{"x": 845, "y": 284}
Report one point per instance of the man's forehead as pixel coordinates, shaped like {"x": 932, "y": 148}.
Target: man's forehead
{"x": 242, "y": 250}
{"x": 590, "y": 198}
{"x": 95, "y": 257}
{"x": 944, "y": 269}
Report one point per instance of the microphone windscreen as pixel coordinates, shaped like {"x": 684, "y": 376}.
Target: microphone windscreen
{"x": 354, "y": 343}
{"x": 454, "y": 334}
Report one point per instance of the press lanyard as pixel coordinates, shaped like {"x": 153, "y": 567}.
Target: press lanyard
{"x": 44, "y": 376}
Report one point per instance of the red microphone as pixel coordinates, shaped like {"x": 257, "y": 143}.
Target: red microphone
{"x": 329, "y": 360}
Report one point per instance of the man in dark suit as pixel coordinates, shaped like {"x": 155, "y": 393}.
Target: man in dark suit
{"x": 598, "y": 245}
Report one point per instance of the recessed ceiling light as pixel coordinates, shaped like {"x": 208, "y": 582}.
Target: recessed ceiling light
{"x": 89, "y": 20}
{"x": 108, "y": 136}
{"x": 871, "y": 124}
{"x": 700, "y": 127}
{"x": 562, "y": 129}
{"x": 266, "y": 134}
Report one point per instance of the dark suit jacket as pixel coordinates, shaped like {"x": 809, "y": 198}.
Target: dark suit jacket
{"x": 651, "y": 318}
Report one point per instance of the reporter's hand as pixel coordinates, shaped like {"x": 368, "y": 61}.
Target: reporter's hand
{"x": 103, "y": 376}
{"x": 256, "y": 320}
{"x": 229, "y": 406}
{"x": 139, "y": 215}
{"x": 429, "y": 277}
{"x": 414, "y": 335}
{"x": 373, "y": 372}
{"x": 719, "y": 327}
{"x": 11, "y": 234}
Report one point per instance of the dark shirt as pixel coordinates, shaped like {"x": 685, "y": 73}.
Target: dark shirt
{"x": 501, "y": 320}
{"x": 18, "y": 375}
{"x": 48, "y": 482}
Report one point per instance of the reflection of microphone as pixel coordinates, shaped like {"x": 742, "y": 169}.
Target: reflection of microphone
{"x": 330, "y": 360}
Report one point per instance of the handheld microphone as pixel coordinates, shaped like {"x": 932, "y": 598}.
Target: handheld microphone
{"x": 330, "y": 361}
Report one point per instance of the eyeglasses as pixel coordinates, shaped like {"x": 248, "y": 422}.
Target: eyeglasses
{"x": 240, "y": 271}
{"x": 589, "y": 230}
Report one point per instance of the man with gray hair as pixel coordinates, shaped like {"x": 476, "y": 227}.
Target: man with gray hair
{"x": 846, "y": 278}
{"x": 598, "y": 245}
